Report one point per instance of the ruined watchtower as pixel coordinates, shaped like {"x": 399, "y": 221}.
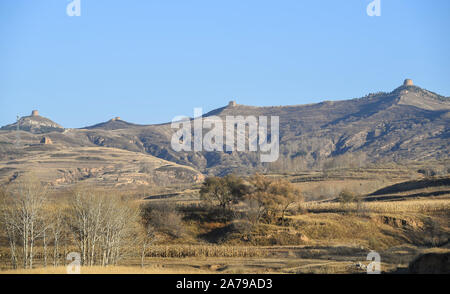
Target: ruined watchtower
{"x": 408, "y": 82}
{"x": 232, "y": 103}
{"x": 35, "y": 113}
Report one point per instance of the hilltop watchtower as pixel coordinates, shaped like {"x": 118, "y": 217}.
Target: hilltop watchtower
{"x": 232, "y": 103}
{"x": 408, "y": 82}
{"x": 35, "y": 113}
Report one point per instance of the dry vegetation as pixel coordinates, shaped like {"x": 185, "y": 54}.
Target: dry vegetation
{"x": 413, "y": 205}
{"x": 62, "y": 167}
{"x": 256, "y": 224}
{"x": 108, "y": 270}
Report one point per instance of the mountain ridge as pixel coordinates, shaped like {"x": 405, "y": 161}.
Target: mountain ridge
{"x": 118, "y": 123}
{"x": 408, "y": 123}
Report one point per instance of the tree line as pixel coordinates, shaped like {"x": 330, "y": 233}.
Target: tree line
{"x": 97, "y": 225}
{"x": 258, "y": 198}
{"x": 104, "y": 228}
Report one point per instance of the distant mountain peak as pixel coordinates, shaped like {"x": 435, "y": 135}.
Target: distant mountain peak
{"x": 410, "y": 94}
{"x": 115, "y": 123}
{"x": 408, "y": 84}
{"x": 34, "y": 123}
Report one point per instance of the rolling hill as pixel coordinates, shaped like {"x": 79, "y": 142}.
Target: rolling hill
{"x": 409, "y": 123}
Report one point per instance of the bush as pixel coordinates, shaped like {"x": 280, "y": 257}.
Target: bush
{"x": 164, "y": 217}
{"x": 347, "y": 196}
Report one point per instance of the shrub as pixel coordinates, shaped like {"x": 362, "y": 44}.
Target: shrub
{"x": 347, "y": 196}
{"x": 164, "y": 217}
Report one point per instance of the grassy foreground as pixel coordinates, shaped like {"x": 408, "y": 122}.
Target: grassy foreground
{"x": 62, "y": 270}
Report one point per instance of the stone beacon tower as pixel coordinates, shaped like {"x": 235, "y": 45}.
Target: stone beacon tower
{"x": 232, "y": 103}
{"x": 35, "y": 113}
{"x": 408, "y": 82}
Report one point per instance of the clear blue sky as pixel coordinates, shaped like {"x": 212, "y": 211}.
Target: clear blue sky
{"x": 150, "y": 60}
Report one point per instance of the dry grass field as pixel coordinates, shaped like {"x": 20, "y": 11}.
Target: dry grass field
{"x": 318, "y": 236}
{"x": 337, "y": 259}
{"x": 107, "y": 270}
{"x": 63, "y": 167}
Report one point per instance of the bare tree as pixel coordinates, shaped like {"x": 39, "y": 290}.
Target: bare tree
{"x": 27, "y": 200}
{"x": 100, "y": 225}
{"x": 254, "y": 211}
{"x": 223, "y": 191}
{"x": 57, "y": 230}
{"x": 85, "y": 222}
{"x": 147, "y": 237}
{"x": 272, "y": 198}
{"x": 117, "y": 225}
{"x": 44, "y": 243}
{"x": 6, "y": 220}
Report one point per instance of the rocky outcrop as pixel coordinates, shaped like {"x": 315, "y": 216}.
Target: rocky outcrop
{"x": 399, "y": 222}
